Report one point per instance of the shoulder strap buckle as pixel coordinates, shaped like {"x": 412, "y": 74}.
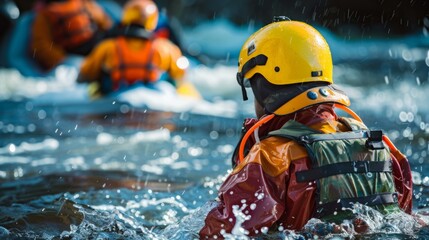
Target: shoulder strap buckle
{"x": 375, "y": 140}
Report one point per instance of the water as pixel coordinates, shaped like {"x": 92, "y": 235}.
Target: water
{"x": 77, "y": 169}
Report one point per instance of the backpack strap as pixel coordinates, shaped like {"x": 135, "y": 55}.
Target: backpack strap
{"x": 293, "y": 130}
{"x": 343, "y": 168}
{"x": 352, "y": 123}
{"x": 306, "y": 135}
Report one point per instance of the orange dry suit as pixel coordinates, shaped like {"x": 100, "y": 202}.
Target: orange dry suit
{"x": 285, "y": 180}
{"x": 122, "y": 61}
{"x": 72, "y": 26}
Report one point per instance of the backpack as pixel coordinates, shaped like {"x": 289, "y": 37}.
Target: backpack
{"x": 348, "y": 167}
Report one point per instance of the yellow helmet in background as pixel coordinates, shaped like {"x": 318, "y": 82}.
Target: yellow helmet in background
{"x": 142, "y": 12}
{"x": 285, "y": 60}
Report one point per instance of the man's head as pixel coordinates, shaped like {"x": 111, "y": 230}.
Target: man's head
{"x": 288, "y": 65}
{"x": 141, "y": 12}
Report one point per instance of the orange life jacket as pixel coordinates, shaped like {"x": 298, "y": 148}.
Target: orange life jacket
{"x": 132, "y": 66}
{"x": 72, "y": 24}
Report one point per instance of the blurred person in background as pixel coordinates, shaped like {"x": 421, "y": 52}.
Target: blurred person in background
{"x": 298, "y": 159}
{"x": 63, "y": 27}
{"x": 134, "y": 56}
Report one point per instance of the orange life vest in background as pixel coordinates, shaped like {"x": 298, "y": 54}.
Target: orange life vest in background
{"x": 132, "y": 66}
{"x": 72, "y": 24}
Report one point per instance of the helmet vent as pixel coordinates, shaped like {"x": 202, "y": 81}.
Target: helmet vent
{"x": 316, "y": 73}
{"x": 277, "y": 69}
{"x": 251, "y": 48}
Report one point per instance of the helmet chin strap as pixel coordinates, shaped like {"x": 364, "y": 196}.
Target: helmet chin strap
{"x": 258, "y": 60}
{"x": 240, "y": 80}
{"x": 244, "y": 93}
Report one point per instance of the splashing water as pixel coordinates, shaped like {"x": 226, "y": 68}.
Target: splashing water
{"x": 238, "y": 232}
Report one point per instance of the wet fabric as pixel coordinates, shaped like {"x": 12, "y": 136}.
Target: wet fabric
{"x": 264, "y": 185}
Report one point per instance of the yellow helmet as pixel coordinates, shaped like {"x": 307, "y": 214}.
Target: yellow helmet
{"x": 286, "y": 60}
{"x": 142, "y": 12}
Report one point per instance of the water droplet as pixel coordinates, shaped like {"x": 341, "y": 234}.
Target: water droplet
{"x": 406, "y": 55}
{"x": 410, "y": 117}
{"x": 182, "y": 63}
{"x": 10, "y": 127}
{"x": 264, "y": 230}
{"x": 403, "y": 116}
{"x": 41, "y": 114}
{"x": 214, "y": 135}
{"x": 12, "y": 148}
{"x": 175, "y": 156}
{"x": 425, "y": 181}
{"x": 29, "y": 106}
{"x": 253, "y": 206}
{"x": 427, "y": 59}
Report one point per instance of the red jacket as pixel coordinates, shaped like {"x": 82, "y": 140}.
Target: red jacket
{"x": 264, "y": 186}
